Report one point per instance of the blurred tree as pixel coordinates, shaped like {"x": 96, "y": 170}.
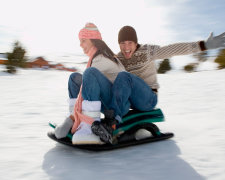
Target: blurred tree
{"x": 201, "y": 56}
{"x": 221, "y": 59}
{"x": 191, "y": 67}
{"x": 164, "y": 66}
{"x": 16, "y": 58}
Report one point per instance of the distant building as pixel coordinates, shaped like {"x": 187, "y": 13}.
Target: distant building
{"x": 71, "y": 69}
{"x": 58, "y": 66}
{"x": 3, "y": 58}
{"x": 39, "y": 62}
{"x": 2, "y": 61}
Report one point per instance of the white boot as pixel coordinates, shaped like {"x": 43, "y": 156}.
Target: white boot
{"x": 62, "y": 130}
{"x": 142, "y": 134}
{"x": 72, "y": 103}
{"x": 84, "y": 134}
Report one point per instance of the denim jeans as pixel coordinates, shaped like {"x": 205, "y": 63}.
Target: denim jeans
{"x": 127, "y": 91}
{"x": 96, "y": 87}
{"x": 130, "y": 91}
{"x": 74, "y": 84}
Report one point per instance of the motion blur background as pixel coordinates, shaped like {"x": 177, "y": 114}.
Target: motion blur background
{"x": 49, "y": 28}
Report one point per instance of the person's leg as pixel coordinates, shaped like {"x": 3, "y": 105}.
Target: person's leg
{"x": 96, "y": 93}
{"x": 128, "y": 91}
{"x": 84, "y": 134}
{"x": 96, "y": 87}
{"x": 74, "y": 84}
{"x": 131, "y": 91}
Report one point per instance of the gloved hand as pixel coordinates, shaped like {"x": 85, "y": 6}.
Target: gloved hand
{"x": 214, "y": 42}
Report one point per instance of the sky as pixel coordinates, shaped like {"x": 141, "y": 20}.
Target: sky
{"x": 50, "y": 27}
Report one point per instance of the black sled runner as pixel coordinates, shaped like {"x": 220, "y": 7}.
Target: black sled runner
{"x": 124, "y": 134}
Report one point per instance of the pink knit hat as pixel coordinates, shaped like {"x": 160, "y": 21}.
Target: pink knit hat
{"x": 90, "y": 31}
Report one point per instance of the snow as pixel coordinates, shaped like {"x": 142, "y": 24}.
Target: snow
{"x": 193, "y": 104}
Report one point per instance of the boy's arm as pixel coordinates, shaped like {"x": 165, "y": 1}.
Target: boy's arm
{"x": 176, "y": 49}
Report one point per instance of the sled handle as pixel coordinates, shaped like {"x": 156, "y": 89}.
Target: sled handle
{"x": 52, "y": 125}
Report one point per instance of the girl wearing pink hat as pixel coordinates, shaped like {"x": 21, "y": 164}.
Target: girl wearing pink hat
{"x": 90, "y": 93}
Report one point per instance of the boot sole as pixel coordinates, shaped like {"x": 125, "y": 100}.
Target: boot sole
{"x": 99, "y": 130}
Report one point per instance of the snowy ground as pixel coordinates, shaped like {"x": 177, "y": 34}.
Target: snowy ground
{"x": 192, "y": 103}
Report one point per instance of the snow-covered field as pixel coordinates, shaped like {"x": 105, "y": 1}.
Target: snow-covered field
{"x": 194, "y": 106}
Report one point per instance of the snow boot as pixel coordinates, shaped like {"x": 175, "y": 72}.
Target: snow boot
{"x": 105, "y": 128}
{"x": 62, "y": 130}
{"x": 84, "y": 134}
{"x": 142, "y": 134}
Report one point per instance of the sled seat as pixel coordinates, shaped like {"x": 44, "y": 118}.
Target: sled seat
{"x": 138, "y": 118}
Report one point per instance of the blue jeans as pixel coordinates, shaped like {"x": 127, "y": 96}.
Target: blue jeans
{"x": 74, "y": 84}
{"x": 96, "y": 87}
{"x": 130, "y": 91}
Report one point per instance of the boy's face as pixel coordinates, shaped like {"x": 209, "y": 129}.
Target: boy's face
{"x": 128, "y": 48}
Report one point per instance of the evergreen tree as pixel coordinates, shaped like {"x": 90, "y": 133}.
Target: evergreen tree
{"x": 201, "y": 56}
{"x": 164, "y": 66}
{"x": 16, "y": 58}
{"x": 191, "y": 67}
{"x": 221, "y": 59}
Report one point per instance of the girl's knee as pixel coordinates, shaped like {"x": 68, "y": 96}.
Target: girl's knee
{"x": 123, "y": 75}
{"x": 76, "y": 77}
{"x": 90, "y": 71}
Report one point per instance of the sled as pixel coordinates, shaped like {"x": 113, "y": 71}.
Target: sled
{"x": 124, "y": 133}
